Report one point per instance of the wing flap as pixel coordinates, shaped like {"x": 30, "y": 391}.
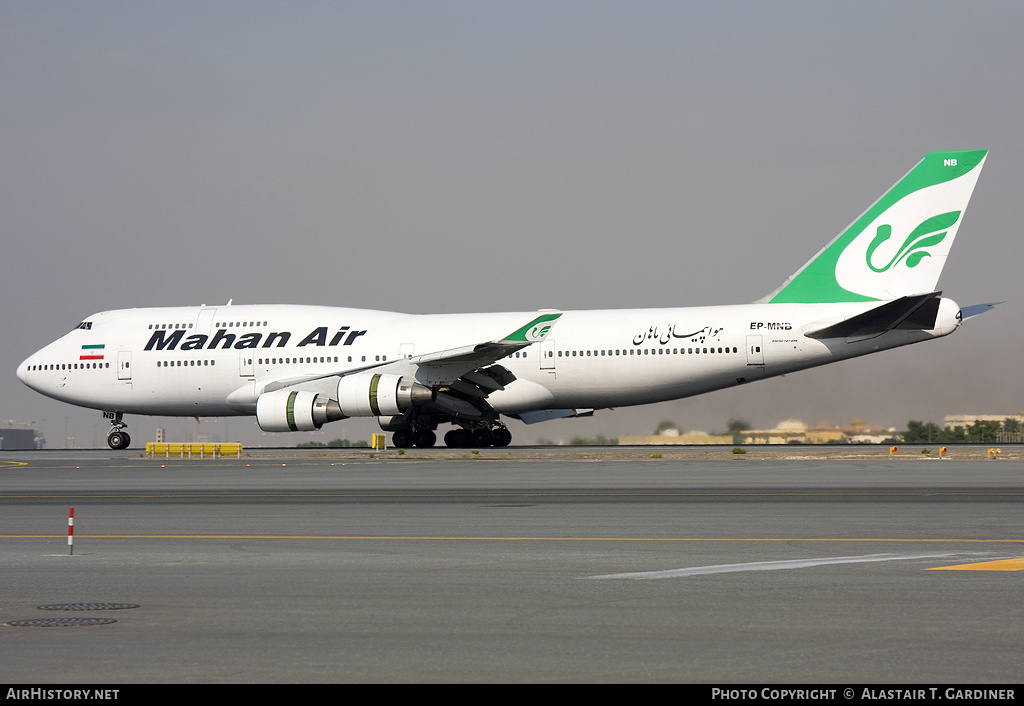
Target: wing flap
{"x": 543, "y": 415}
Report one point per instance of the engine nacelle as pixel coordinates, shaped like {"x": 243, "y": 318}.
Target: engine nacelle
{"x": 295, "y": 410}
{"x": 380, "y": 394}
{"x": 396, "y": 422}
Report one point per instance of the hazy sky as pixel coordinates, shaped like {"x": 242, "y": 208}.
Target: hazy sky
{"x": 485, "y": 156}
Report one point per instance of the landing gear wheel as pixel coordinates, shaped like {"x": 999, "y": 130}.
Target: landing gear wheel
{"x": 401, "y": 439}
{"x": 501, "y": 437}
{"x": 456, "y": 439}
{"x": 118, "y": 440}
{"x": 424, "y": 438}
{"x": 480, "y": 437}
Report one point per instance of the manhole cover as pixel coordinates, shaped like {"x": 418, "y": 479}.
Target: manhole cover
{"x": 58, "y": 622}
{"x": 87, "y": 606}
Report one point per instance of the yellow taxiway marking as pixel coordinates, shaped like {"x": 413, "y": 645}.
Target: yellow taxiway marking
{"x": 1001, "y": 565}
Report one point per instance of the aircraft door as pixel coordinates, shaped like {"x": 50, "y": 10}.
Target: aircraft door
{"x": 547, "y": 354}
{"x": 124, "y": 365}
{"x": 205, "y": 321}
{"x": 245, "y": 366}
{"x": 755, "y": 350}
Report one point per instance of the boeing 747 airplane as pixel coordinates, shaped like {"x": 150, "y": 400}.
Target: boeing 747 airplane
{"x": 298, "y": 367}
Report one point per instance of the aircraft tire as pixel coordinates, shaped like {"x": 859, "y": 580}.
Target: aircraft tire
{"x": 424, "y": 438}
{"x": 401, "y": 439}
{"x": 501, "y": 437}
{"x": 480, "y": 438}
{"x": 456, "y": 439}
{"x": 118, "y": 440}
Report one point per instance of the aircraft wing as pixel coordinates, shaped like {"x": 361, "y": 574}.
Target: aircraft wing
{"x": 470, "y": 370}
{"x": 462, "y": 378}
{"x": 447, "y": 366}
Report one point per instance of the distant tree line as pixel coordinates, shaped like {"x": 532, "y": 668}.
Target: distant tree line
{"x": 333, "y": 444}
{"x": 599, "y": 441}
{"x": 981, "y": 432}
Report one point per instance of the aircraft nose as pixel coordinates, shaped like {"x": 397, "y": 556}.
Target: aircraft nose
{"x": 22, "y": 370}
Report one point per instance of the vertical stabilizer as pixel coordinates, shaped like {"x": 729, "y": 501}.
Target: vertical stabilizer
{"x": 897, "y": 247}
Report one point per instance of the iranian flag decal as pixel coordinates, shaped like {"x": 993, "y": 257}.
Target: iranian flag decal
{"x": 92, "y": 352}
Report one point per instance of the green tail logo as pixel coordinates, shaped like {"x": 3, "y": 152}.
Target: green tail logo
{"x": 899, "y": 245}
{"x": 914, "y": 248}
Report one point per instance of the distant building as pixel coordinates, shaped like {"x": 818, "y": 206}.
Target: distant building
{"x": 673, "y": 437}
{"x": 860, "y": 432}
{"x": 789, "y": 431}
{"x": 1011, "y": 431}
{"x": 18, "y": 439}
{"x": 794, "y": 431}
{"x": 966, "y": 420}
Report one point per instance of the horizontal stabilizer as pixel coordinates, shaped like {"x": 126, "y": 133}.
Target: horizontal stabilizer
{"x": 914, "y": 312}
{"x": 976, "y": 310}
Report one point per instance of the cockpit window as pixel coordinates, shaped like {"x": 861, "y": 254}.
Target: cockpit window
{"x": 84, "y": 325}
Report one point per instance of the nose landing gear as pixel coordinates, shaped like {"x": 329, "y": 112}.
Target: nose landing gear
{"x": 117, "y": 438}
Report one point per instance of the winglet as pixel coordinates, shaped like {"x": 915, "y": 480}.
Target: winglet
{"x": 536, "y": 330}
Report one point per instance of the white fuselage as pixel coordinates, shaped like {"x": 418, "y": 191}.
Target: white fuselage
{"x": 216, "y": 361}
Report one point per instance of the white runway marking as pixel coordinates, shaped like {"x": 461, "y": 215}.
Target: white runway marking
{"x": 773, "y": 565}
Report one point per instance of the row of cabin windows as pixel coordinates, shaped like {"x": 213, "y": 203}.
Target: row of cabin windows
{"x": 219, "y": 324}
{"x": 70, "y": 366}
{"x": 313, "y": 359}
{"x": 645, "y": 351}
{"x": 268, "y": 361}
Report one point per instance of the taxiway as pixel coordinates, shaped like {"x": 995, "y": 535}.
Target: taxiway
{"x": 516, "y": 566}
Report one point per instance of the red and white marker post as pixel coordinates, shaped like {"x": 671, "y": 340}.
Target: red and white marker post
{"x": 71, "y": 530}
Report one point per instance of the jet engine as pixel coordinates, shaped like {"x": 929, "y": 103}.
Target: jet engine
{"x": 295, "y": 410}
{"x": 380, "y": 394}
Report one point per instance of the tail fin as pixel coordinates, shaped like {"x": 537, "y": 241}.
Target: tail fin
{"x": 899, "y": 245}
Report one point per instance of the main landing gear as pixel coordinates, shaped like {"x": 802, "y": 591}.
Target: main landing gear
{"x": 460, "y": 438}
{"x": 404, "y": 438}
{"x": 118, "y": 438}
{"x": 478, "y": 437}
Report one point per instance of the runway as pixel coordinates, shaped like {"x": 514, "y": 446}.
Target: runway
{"x": 515, "y": 566}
